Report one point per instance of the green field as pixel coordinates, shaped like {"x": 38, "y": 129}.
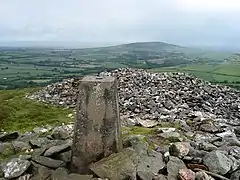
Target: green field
{"x": 227, "y": 73}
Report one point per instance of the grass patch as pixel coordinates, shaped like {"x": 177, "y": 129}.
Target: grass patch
{"x": 21, "y": 114}
{"x": 137, "y": 130}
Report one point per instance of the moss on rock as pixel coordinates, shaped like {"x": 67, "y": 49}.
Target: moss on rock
{"x": 6, "y": 150}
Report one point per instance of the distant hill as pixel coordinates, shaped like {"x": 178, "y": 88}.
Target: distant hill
{"x": 159, "y": 53}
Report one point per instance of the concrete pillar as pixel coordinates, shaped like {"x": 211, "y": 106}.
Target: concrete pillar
{"x": 97, "y": 131}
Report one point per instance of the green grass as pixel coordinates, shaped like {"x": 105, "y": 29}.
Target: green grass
{"x": 230, "y": 69}
{"x": 21, "y": 114}
{"x": 138, "y": 130}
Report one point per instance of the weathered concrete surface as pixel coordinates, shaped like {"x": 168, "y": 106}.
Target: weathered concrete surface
{"x": 97, "y": 131}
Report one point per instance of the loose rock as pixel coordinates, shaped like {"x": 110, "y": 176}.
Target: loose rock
{"x": 186, "y": 174}
{"x": 201, "y": 175}
{"x": 57, "y": 149}
{"x": 217, "y": 162}
{"x": 9, "y": 136}
{"x": 117, "y": 166}
{"x": 179, "y": 149}
{"x": 173, "y": 167}
{"x": 15, "y": 168}
{"x": 48, "y": 162}
{"x": 20, "y": 146}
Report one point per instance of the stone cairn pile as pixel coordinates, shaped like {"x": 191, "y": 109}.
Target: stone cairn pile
{"x": 158, "y": 96}
{"x": 63, "y": 93}
{"x": 175, "y": 127}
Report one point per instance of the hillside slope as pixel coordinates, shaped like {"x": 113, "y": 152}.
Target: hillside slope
{"x": 19, "y": 113}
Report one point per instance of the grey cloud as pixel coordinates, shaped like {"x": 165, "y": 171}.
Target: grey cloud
{"x": 115, "y": 21}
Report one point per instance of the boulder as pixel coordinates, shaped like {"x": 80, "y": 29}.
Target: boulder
{"x": 218, "y": 162}
{"x": 149, "y": 165}
{"x": 60, "y": 133}
{"x": 15, "y": 168}
{"x": 117, "y": 166}
{"x": 173, "y": 167}
{"x": 179, "y": 149}
{"x": 137, "y": 142}
{"x": 186, "y": 174}
{"x": 8, "y": 136}
{"x": 196, "y": 153}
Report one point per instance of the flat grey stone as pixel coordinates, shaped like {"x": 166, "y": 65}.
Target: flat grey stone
{"x": 149, "y": 165}
{"x": 8, "y": 136}
{"x": 48, "y": 162}
{"x": 117, "y": 166}
{"x": 15, "y": 168}
{"x": 57, "y": 149}
{"x": 39, "y": 142}
{"x": 207, "y": 146}
{"x": 217, "y": 162}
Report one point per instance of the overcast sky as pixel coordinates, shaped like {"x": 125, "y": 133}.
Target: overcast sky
{"x": 189, "y": 22}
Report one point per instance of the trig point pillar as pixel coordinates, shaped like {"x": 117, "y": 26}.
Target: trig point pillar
{"x": 97, "y": 131}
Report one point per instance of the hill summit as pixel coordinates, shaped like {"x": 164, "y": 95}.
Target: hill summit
{"x": 174, "y": 126}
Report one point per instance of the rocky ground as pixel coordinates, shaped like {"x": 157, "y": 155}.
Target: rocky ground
{"x": 174, "y": 127}
{"x": 159, "y": 153}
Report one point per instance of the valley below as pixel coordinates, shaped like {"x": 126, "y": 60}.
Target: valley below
{"x": 30, "y": 67}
